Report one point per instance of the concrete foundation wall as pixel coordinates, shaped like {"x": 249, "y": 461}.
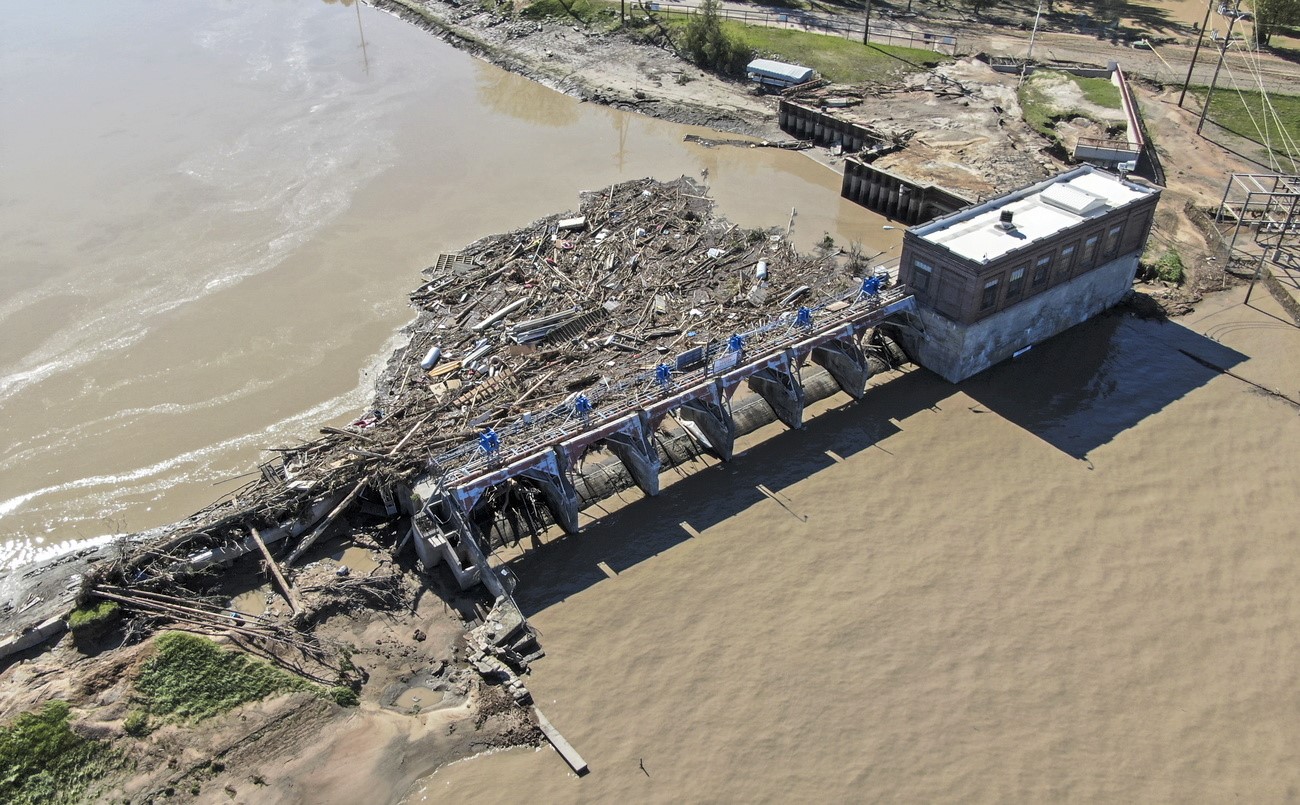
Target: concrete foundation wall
{"x": 895, "y": 197}
{"x": 956, "y": 352}
{"x": 807, "y": 123}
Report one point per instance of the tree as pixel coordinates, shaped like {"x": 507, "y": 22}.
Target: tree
{"x": 1273, "y": 14}
{"x": 978, "y": 7}
{"x": 710, "y": 47}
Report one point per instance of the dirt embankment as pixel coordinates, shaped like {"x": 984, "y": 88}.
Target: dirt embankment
{"x": 421, "y": 707}
{"x": 614, "y": 70}
{"x": 602, "y": 68}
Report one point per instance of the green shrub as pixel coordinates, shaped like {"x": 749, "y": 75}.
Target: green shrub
{"x": 137, "y": 724}
{"x": 43, "y": 761}
{"x": 344, "y": 696}
{"x": 193, "y": 678}
{"x": 1169, "y": 268}
{"x": 712, "y": 48}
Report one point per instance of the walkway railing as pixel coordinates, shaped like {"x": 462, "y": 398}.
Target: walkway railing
{"x": 606, "y": 403}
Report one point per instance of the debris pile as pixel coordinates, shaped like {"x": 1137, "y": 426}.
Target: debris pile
{"x": 528, "y": 320}
{"x": 641, "y": 280}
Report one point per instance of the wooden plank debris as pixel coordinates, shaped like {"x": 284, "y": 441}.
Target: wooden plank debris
{"x": 562, "y": 746}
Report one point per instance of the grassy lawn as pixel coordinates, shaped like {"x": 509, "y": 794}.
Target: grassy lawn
{"x": 841, "y": 60}
{"x": 838, "y": 59}
{"x": 1274, "y": 121}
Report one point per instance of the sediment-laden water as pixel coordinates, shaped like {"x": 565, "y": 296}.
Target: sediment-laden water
{"x": 1071, "y": 578}
{"x": 213, "y": 213}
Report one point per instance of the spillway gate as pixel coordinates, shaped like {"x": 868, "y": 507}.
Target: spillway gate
{"x": 696, "y": 386}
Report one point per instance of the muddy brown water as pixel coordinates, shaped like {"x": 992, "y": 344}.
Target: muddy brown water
{"x": 1072, "y": 578}
{"x": 213, "y": 214}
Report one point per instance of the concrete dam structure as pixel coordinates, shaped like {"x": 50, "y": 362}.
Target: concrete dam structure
{"x": 454, "y": 495}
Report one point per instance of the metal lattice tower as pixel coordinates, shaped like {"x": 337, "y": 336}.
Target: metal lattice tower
{"x": 1268, "y": 205}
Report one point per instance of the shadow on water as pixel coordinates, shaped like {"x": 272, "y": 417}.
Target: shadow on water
{"x": 1081, "y": 389}
{"x": 651, "y": 526}
{"x": 1076, "y": 392}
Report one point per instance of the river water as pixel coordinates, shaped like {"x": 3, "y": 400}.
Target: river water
{"x": 213, "y": 212}
{"x": 1071, "y": 578}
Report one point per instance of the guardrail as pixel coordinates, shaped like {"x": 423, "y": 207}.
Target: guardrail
{"x": 606, "y": 403}
{"x": 832, "y": 26}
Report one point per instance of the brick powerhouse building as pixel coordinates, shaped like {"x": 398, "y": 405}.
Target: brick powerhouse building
{"x": 997, "y": 277}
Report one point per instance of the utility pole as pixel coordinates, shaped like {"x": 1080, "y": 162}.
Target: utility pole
{"x": 1024, "y": 68}
{"x": 1209, "y": 8}
{"x": 866, "y": 27}
{"x": 1223, "y": 52}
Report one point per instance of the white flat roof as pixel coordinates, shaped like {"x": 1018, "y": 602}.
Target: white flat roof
{"x": 1037, "y": 212}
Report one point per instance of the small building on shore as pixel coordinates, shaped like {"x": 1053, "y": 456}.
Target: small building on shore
{"x": 995, "y": 278}
{"x": 778, "y": 74}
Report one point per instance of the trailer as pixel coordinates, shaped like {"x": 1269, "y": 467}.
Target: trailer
{"x": 769, "y": 73}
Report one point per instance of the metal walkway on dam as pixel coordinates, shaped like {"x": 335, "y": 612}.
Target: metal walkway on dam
{"x": 697, "y": 387}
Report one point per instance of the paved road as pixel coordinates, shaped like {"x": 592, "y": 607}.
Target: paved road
{"x": 1167, "y": 64}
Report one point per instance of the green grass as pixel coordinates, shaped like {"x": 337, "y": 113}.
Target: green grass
{"x": 1234, "y": 110}
{"x": 191, "y": 678}
{"x": 1099, "y": 91}
{"x": 1041, "y": 111}
{"x": 94, "y": 619}
{"x": 43, "y": 761}
{"x": 844, "y": 61}
{"x": 1037, "y": 108}
{"x": 841, "y": 60}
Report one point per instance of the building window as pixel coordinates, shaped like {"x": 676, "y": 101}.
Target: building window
{"x": 921, "y": 274}
{"x": 1067, "y": 258}
{"x": 1042, "y": 268}
{"x": 1112, "y": 241}
{"x": 990, "y": 297}
{"x": 1089, "y": 255}
{"x": 1016, "y": 283}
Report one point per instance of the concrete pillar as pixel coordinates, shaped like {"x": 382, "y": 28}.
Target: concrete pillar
{"x": 846, "y": 363}
{"x": 780, "y": 389}
{"x": 552, "y": 478}
{"x": 636, "y": 449}
{"x": 712, "y": 423}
